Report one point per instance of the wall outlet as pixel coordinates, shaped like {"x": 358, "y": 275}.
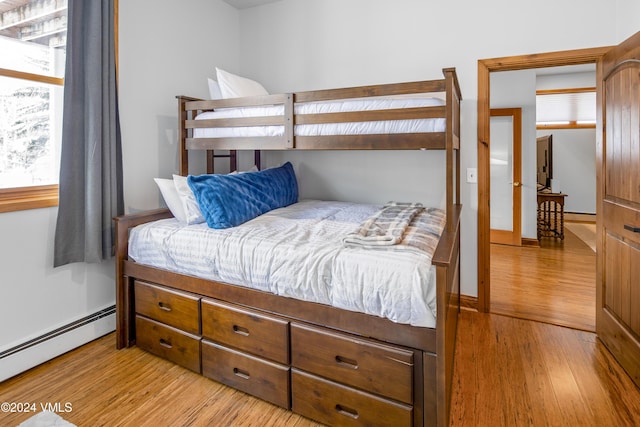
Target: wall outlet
{"x": 472, "y": 175}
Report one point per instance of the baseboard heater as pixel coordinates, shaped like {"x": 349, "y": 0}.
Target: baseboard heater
{"x": 59, "y": 331}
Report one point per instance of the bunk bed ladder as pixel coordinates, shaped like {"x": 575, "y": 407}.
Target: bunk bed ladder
{"x": 233, "y": 159}
{"x": 232, "y": 156}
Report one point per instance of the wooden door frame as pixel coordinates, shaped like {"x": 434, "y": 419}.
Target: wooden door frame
{"x": 513, "y": 237}
{"x": 485, "y": 67}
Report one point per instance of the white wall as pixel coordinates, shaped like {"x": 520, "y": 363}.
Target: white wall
{"x": 574, "y": 167}
{"x": 167, "y": 48}
{"x": 35, "y": 297}
{"x": 627, "y": 19}
{"x": 301, "y": 45}
{"x": 567, "y": 77}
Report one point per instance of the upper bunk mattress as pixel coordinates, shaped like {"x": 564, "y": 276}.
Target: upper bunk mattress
{"x": 298, "y": 252}
{"x": 350, "y": 128}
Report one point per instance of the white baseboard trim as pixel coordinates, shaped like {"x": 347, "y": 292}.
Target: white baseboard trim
{"x": 36, "y": 351}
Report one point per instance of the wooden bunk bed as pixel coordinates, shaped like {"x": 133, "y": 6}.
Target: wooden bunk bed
{"x": 330, "y": 364}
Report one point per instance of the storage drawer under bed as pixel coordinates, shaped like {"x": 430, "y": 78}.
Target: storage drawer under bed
{"x": 261, "y": 378}
{"x": 167, "y": 342}
{"x": 335, "y": 404}
{"x": 365, "y": 364}
{"x": 177, "y": 309}
{"x": 246, "y": 330}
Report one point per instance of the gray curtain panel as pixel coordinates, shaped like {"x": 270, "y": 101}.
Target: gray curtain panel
{"x": 91, "y": 160}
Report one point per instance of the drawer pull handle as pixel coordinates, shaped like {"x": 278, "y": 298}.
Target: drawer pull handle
{"x": 347, "y": 411}
{"x": 165, "y": 343}
{"x": 240, "y": 330}
{"x": 241, "y": 374}
{"x": 632, "y": 228}
{"x": 164, "y": 306}
{"x": 349, "y": 363}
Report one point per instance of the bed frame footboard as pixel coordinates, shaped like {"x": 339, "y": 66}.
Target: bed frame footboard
{"x": 124, "y": 294}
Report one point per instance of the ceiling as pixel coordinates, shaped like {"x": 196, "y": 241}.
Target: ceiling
{"x": 245, "y": 4}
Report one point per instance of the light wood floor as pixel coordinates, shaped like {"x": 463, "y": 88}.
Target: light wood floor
{"x": 508, "y": 372}
{"x": 130, "y": 387}
{"x": 586, "y": 231}
{"x": 554, "y": 283}
{"x": 514, "y": 372}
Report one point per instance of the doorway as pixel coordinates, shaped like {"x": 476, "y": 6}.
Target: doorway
{"x": 485, "y": 67}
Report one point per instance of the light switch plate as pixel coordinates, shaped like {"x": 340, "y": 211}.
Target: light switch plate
{"x": 472, "y": 175}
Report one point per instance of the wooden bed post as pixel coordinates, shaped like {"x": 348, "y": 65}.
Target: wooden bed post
{"x": 211, "y": 155}
{"x": 452, "y": 142}
{"x": 122, "y": 294}
{"x": 448, "y": 291}
{"x": 183, "y": 153}
{"x": 289, "y": 120}
{"x": 233, "y": 160}
{"x": 124, "y": 303}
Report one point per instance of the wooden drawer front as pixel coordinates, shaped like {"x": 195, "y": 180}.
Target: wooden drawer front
{"x": 259, "y": 377}
{"x": 169, "y": 343}
{"x": 246, "y": 330}
{"x": 335, "y": 404}
{"x": 373, "y": 367}
{"x": 178, "y": 309}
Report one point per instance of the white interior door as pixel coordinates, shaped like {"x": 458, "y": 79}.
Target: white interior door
{"x": 505, "y": 175}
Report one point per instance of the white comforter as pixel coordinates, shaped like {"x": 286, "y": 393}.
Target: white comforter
{"x": 351, "y": 128}
{"x": 298, "y": 252}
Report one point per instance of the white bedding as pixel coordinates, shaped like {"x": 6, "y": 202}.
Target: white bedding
{"x": 351, "y": 128}
{"x": 297, "y": 252}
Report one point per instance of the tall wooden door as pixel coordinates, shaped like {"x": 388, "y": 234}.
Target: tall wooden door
{"x": 618, "y": 219}
{"x": 506, "y": 176}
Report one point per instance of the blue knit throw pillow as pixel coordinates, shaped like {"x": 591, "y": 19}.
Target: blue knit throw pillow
{"x": 230, "y": 200}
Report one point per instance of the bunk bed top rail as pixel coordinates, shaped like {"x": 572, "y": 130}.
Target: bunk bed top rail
{"x": 287, "y": 118}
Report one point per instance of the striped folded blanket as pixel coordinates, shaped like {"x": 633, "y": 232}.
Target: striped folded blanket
{"x": 399, "y": 226}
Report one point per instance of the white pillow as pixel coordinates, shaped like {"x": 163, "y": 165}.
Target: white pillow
{"x": 214, "y": 89}
{"x": 253, "y": 168}
{"x": 233, "y": 86}
{"x": 193, "y": 215}
{"x": 171, "y": 198}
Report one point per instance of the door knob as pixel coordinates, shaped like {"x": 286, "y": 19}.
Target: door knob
{"x": 516, "y": 184}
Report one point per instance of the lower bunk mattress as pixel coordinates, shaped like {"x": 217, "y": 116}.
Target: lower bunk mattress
{"x": 299, "y": 252}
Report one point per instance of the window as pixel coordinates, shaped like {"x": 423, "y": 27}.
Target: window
{"x": 32, "y": 42}
{"x": 566, "y": 108}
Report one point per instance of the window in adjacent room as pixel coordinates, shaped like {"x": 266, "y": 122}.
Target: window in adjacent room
{"x": 32, "y": 42}
{"x": 566, "y": 108}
